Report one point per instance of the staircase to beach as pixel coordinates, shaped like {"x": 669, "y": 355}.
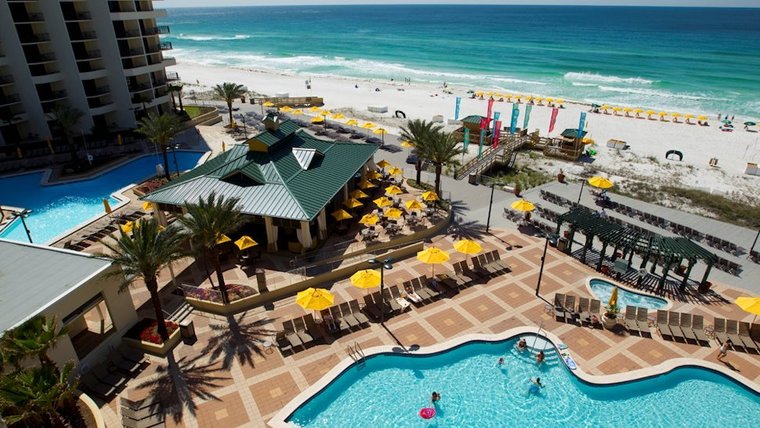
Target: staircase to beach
{"x": 505, "y": 153}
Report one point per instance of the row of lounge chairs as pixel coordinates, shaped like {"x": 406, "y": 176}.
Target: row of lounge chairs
{"x": 587, "y": 312}
{"x": 636, "y": 320}
{"x": 740, "y": 333}
{"x": 96, "y": 232}
{"x": 297, "y": 333}
{"x": 106, "y": 379}
{"x": 686, "y": 327}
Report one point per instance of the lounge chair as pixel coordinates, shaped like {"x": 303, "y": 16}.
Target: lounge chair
{"x": 290, "y": 334}
{"x": 328, "y": 321}
{"x": 630, "y": 320}
{"x": 396, "y": 294}
{"x": 131, "y": 354}
{"x": 340, "y": 321}
{"x": 642, "y": 319}
{"x": 282, "y": 342}
{"x": 559, "y": 307}
{"x": 719, "y": 330}
{"x": 496, "y": 260}
{"x": 395, "y": 306}
{"x": 594, "y": 313}
{"x": 301, "y": 331}
{"x": 421, "y": 283}
{"x": 312, "y": 328}
{"x": 371, "y": 308}
{"x": 477, "y": 269}
{"x": 688, "y": 333}
{"x": 747, "y": 341}
{"x": 697, "y": 326}
{"x": 480, "y": 262}
{"x": 98, "y": 388}
{"x": 732, "y": 331}
{"x": 422, "y": 293}
{"x": 357, "y": 312}
{"x": 382, "y": 303}
{"x": 155, "y": 420}
{"x": 452, "y": 283}
{"x": 662, "y": 324}
{"x": 120, "y": 363}
{"x": 674, "y": 323}
{"x": 461, "y": 271}
{"x": 347, "y": 315}
{"x": 571, "y": 314}
{"x": 584, "y": 305}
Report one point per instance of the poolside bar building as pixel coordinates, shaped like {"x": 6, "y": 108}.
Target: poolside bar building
{"x": 286, "y": 180}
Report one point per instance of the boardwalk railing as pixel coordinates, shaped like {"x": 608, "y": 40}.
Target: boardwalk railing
{"x": 507, "y": 146}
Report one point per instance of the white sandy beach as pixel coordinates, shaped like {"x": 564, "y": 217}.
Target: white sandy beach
{"x": 648, "y": 139}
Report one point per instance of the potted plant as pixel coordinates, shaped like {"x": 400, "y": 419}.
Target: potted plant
{"x": 561, "y": 176}
{"x": 610, "y": 316}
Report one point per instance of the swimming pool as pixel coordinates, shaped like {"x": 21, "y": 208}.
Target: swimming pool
{"x": 390, "y": 389}
{"x": 60, "y": 207}
{"x": 603, "y": 290}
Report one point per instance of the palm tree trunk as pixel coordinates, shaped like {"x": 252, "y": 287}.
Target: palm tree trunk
{"x": 418, "y": 167}
{"x": 164, "y": 150}
{"x": 72, "y": 149}
{"x": 438, "y": 171}
{"x": 229, "y": 107}
{"x": 152, "y": 285}
{"x": 174, "y": 104}
{"x": 219, "y": 276}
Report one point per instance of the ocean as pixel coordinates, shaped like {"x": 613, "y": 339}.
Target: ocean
{"x": 691, "y": 60}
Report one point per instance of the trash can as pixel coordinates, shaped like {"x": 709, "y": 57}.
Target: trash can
{"x": 261, "y": 280}
{"x": 562, "y": 244}
{"x": 187, "y": 329}
{"x": 473, "y": 179}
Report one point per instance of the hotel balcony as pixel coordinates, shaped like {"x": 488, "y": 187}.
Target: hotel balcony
{"x": 26, "y": 18}
{"x": 126, "y": 34}
{"x": 77, "y": 16}
{"x": 34, "y": 38}
{"x": 52, "y": 96}
{"x": 82, "y": 35}
{"x": 38, "y": 58}
{"x": 97, "y": 91}
{"x": 172, "y": 75}
{"x": 87, "y": 55}
{"x": 158, "y": 30}
{"x": 6, "y": 79}
{"x": 128, "y": 53}
{"x": 139, "y": 87}
{"x": 6, "y": 100}
{"x": 165, "y": 46}
{"x": 100, "y": 101}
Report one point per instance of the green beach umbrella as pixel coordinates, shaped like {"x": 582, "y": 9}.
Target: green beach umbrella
{"x": 749, "y": 124}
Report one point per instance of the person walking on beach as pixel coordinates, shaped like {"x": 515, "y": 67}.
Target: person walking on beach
{"x": 724, "y": 350}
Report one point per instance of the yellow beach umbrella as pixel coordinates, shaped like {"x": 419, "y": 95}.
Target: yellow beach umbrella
{"x": 688, "y": 116}
{"x": 393, "y": 213}
{"x": 702, "y": 117}
{"x": 107, "y": 206}
{"x": 550, "y": 99}
{"x": 384, "y": 164}
{"x": 479, "y": 94}
{"x": 317, "y": 119}
{"x": 147, "y": 206}
{"x": 297, "y": 112}
{"x": 617, "y": 109}
{"x": 315, "y": 299}
{"x": 369, "y": 125}
{"x": 358, "y": 194}
{"x": 286, "y": 109}
{"x": 600, "y": 182}
{"x": 522, "y": 205}
{"x": 749, "y": 304}
{"x": 367, "y": 278}
{"x": 662, "y": 114}
{"x": 383, "y": 202}
{"x": 221, "y": 239}
{"x": 393, "y": 190}
{"x": 268, "y": 104}
{"x": 675, "y": 114}
{"x": 314, "y": 109}
{"x": 394, "y": 171}
{"x": 374, "y": 175}
{"x": 587, "y": 140}
{"x": 128, "y": 227}
{"x": 245, "y": 242}
{"x": 638, "y": 110}
{"x": 352, "y": 203}
{"x": 613, "y": 298}
{"x": 413, "y": 205}
{"x": 380, "y": 131}
{"x": 369, "y": 219}
{"x": 468, "y": 246}
{"x": 364, "y": 184}
{"x": 429, "y": 196}
{"x": 407, "y": 144}
{"x": 432, "y": 256}
{"x": 341, "y": 215}
{"x": 559, "y": 101}
{"x": 650, "y": 112}
{"x": 325, "y": 112}
{"x": 627, "y": 109}
{"x": 352, "y": 122}
{"x": 338, "y": 116}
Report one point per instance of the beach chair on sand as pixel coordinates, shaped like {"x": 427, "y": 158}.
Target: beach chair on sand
{"x": 745, "y": 336}
{"x": 662, "y": 324}
{"x": 732, "y": 331}
{"x": 559, "y": 307}
{"x": 630, "y": 320}
{"x": 688, "y": 333}
{"x": 642, "y": 320}
{"x": 697, "y": 326}
{"x": 674, "y": 323}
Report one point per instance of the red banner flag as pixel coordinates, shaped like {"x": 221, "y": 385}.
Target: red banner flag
{"x": 553, "y": 120}
{"x": 496, "y": 133}
{"x": 484, "y": 123}
{"x": 490, "y": 109}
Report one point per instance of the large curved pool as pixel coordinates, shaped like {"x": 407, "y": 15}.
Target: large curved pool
{"x": 603, "y": 290}
{"x": 59, "y": 208}
{"x": 390, "y": 389}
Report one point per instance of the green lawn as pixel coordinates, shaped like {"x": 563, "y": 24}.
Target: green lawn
{"x": 195, "y": 111}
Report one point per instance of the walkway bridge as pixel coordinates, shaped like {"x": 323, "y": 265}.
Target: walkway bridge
{"x": 505, "y": 153}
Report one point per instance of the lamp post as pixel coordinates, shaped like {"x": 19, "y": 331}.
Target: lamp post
{"x": 490, "y": 205}
{"x": 543, "y": 260}
{"x": 752, "y": 248}
{"x": 384, "y": 264}
{"x": 174, "y": 154}
{"x": 583, "y": 183}
{"x": 23, "y": 215}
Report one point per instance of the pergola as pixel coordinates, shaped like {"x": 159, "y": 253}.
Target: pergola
{"x": 650, "y": 245}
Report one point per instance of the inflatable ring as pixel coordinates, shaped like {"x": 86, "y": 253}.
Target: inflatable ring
{"x": 427, "y": 413}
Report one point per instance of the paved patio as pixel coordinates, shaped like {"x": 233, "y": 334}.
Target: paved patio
{"x": 229, "y": 379}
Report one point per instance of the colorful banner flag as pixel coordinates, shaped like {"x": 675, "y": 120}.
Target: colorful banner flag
{"x": 496, "y": 133}
{"x": 553, "y": 120}
{"x": 484, "y": 123}
{"x": 581, "y": 125}
{"x": 496, "y": 117}
{"x": 466, "y": 141}
{"x": 528, "y": 108}
{"x": 515, "y": 115}
{"x": 490, "y": 109}
{"x": 456, "y": 109}
{"x": 482, "y": 139}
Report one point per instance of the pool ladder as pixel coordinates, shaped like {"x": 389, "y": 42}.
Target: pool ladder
{"x": 540, "y": 329}
{"x": 356, "y": 353}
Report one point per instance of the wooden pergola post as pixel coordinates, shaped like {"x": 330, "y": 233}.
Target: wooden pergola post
{"x": 630, "y": 258}
{"x": 601, "y": 256}
{"x": 686, "y": 275}
{"x": 570, "y": 237}
{"x": 707, "y": 273}
{"x": 586, "y": 245}
{"x": 665, "y": 271}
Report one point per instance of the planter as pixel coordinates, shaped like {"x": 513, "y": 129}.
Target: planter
{"x": 159, "y": 349}
{"x": 609, "y": 323}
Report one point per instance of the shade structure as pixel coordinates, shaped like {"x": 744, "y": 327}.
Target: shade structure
{"x": 358, "y": 194}
{"x": 701, "y": 117}
{"x": 268, "y": 104}
{"x": 384, "y": 164}
{"x": 627, "y": 109}
{"x": 127, "y": 227}
{"x": 429, "y": 196}
{"x": 380, "y": 131}
{"x": 413, "y": 205}
{"x": 352, "y": 122}
{"x": 550, "y": 99}
{"x": 338, "y": 116}
{"x": 297, "y": 112}
{"x": 314, "y": 109}
{"x": 367, "y": 278}
{"x": 750, "y": 123}
{"x": 222, "y": 238}
{"x": 688, "y": 116}
{"x": 559, "y": 101}
{"x": 523, "y": 205}
{"x": 650, "y": 112}
{"x": 352, "y": 203}
{"x": 383, "y": 202}
{"x": 617, "y": 109}
{"x": 364, "y": 184}
{"x": 662, "y": 113}
{"x": 394, "y": 170}
{"x": 315, "y": 299}
{"x": 613, "y": 298}
{"x": 341, "y": 215}
{"x": 637, "y": 110}
{"x": 600, "y": 182}
{"x": 374, "y": 175}
{"x": 107, "y": 206}
{"x": 147, "y": 206}
{"x": 325, "y": 112}
{"x": 369, "y": 219}
{"x": 407, "y": 144}
{"x": 432, "y": 256}
{"x": 749, "y": 304}
{"x": 317, "y": 119}
{"x": 393, "y": 190}
{"x": 286, "y": 109}
{"x": 393, "y": 213}
{"x": 369, "y": 125}
{"x": 245, "y": 242}
{"x": 675, "y": 114}
{"x": 468, "y": 246}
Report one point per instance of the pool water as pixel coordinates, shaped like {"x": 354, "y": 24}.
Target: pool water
{"x": 390, "y": 390}
{"x": 61, "y": 207}
{"x": 603, "y": 290}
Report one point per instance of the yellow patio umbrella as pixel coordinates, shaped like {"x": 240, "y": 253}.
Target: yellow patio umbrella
{"x": 587, "y": 140}
{"x": 538, "y": 99}
{"x": 638, "y": 111}
{"x": 613, "y": 298}
{"x": 317, "y": 119}
{"x": 617, "y": 109}
{"x": 676, "y": 114}
{"x": 604, "y": 107}
{"x": 107, "y": 206}
{"x": 364, "y": 184}
{"x": 286, "y": 109}
{"x": 522, "y": 205}
{"x": 688, "y": 116}
{"x": 393, "y": 213}
{"x": 325, "y": 112}
{"x": 338, "y": 116}
{"x": 600, "y": 182}
{"x": 479, "y": 94}
{"x": 369, "y": 125}
{"x": 352, "y": 203}
{"x": 369, "y": 219}
{"x": 468, "y": 246}
{"x": 374, "y": 175}
{"x": 429, "y": 196}
{"x": 627, "y": 109}
{"x": 315, "y": 299}
{"x": 128, "y": 227}
{"x": 394, "y": 171}
{"x": 662, "y": 114}
{"x": 380, "y": 131}
{"x": 528, "y": 98}
{"x": 550, "y": 99}
{"x": 559, "y": 101}
{"x": 352, "y": 122}
{"x": 341, "y": 215}
{"x": 245, "y": 242}
{"x": 367, "y": 278}
{"x": 393, "y": 190}
{"x": 702, "y": 117}
{"x": 407, "y": 144}
{"x": 650, "y": 113}
{"x": 432, "y": 256}
{"x": 268, "y": 104}
{"x": 384, "y": 164}
{"x": 221, "y": 239}
{"x": 383, "y": 202}
{"x": 413, "y": 205}
{"x": 489, "y": 93}
{"x": 749, "y": 304}
{"x": 358, "y": 194}
{"x": 147, "y": 206}
{"x": 297, "y": 112}
{"x": 314, "y": 109}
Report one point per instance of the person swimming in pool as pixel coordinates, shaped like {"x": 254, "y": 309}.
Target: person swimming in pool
{"x": 435, "y": 397}
{"x": 535, "y": 386}
{"x": 540, "y": 357}
{"x": 501, "y": 361}
{"x": 522, "y": 345}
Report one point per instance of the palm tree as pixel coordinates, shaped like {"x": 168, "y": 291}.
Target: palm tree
{"x": 417, "y": 132}
{"x": 440, "y": 149}
{"x": 143, "y": 254}
{"x": 176, "y": 88}
{"x": 229, "y": 91}
{"x": 33, "y": 338}
{"x": 160, "y": 130}
{"x": 67, "y": 118}
{"x": 206, "y": 222}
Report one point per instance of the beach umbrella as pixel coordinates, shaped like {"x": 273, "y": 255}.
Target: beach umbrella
{"x": 600, "y": 182}
{"x": 297, "y": 112}
{"x": 675, "y": 114}
{"x": 314, "y": 109}
{"x": 432, "y": 256}
{"x": 338, "y": 116}
{"x": 393, "y": 190}
{"x": 325, "y": 112}
{"x": 384, "y": 164}
{"x": 407, "y": 144}
{"x": 479, "y": 93}
{"x": 749, "y": 124}
{"x": 413, "y": 205}
{"x": 352, "y": 122}
{"x": 749, "y": 304}
{"x": 429, "y": 196}
{"x": 245, "y": 242}
{"x": 394, "y": 171}
{"x": 726, "y": 121}
{"x": 315, "y": 299}
{"x": 222, "y": 238}
{"x": 268, "y": 104}
{"x": 317, "y": 119}
{"x": 701, "y": 117}
{"x": 604, "y": 107}
{"x": 341, "y": 215}
{"x": 613, "y": 298}
{"x": 286, "y": 109}
{"x": 627, "y": 109}
{"x": 528, "y": 98}
{"x": 366, "y": 278}
{"x": 662, "y": 114}
{"x": 393, "y": 213}
{"x": 127, "y": 227}
{"x": 617, "y": 109}
{"x": 587, "y": 140}
{"x": 358, "y": 194}
{"x": 374, "y": 175}
{"x": 352, "y": 203}
{"x": 550, "y": 99}
{"x": 107, "y": 206}
{"x": 637, "y": 110}
{"x": 381, "y": 132}
{"x": 649, "y": 113}
{"x": 688, "y": 116}
{"x": 369, "y": 125}
{"x": 147, "y": 206}
{"x": 383, "y": 202}
{"x": 468, "y": 246}
{"x": 559, "y": 101}
{"x": 523, "y": 205}
{"x": 364, "y": 185}
{"x": 369, "y": 219}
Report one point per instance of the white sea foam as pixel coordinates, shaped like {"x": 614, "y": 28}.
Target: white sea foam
{"x": 205, "y": 37}
{"x": 659, "y": 94}
{"x": 520, "y": 81}
{"x": 601, "y": 78}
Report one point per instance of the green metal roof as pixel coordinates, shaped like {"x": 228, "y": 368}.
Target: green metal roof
{"x": 271, "y": 138}
{"x": 473, "y": 119}
{"x": 278, "y": 183}
{"x": 572, "y": 133}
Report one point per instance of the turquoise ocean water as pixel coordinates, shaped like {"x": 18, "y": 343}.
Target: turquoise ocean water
{"x": 694, "y": 60}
